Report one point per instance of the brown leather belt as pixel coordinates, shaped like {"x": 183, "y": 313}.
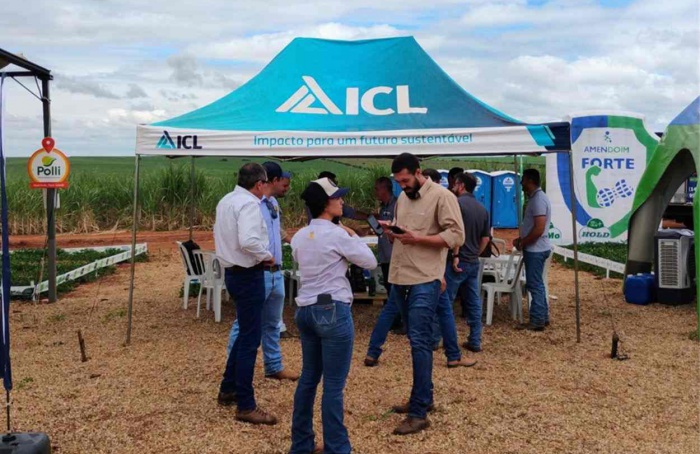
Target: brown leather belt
{"x": 272, "y": 269}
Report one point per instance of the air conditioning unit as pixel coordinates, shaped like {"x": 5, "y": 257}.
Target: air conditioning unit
{"x": 674, "y": 262}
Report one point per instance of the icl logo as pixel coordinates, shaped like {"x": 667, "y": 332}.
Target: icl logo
{"x": 167, "y": 142}
{"x": 300, "y": 102}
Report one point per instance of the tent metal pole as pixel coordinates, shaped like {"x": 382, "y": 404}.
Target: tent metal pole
{"x": 572, "y": 191}
{"x": 192, "y": 208}
{"x": 134, "y": 228}
{"x": 518, "y": 191}
{"x": 50, "y": 199}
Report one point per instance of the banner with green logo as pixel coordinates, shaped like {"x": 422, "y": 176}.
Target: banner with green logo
{"x": 610, "y": 153}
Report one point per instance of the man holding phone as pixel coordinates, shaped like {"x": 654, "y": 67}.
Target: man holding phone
{"x": 431, "y": 221}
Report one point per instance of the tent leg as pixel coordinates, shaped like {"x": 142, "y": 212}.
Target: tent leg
{"x": 192, "y": 208}
{"x": 134, "y": 228}
{"x": 518, "y": 191}
{"x": 575, "y": 238}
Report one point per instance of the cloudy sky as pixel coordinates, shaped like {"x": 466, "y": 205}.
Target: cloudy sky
{"x": 118, "y": 63}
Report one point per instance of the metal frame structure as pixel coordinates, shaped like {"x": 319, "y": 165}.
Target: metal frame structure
{"x": 30, "y": 69}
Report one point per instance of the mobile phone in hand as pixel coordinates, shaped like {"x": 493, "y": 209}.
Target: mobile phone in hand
{"x": 374, "y": 225}
{"x": 396, "y": 229}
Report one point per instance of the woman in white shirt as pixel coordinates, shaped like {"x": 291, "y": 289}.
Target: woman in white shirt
{"x": 323, "y": 250}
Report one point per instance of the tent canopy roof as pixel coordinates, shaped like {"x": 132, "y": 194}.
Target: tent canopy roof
{"x": 385, "y": 95}
{"x": 322, "y": 73}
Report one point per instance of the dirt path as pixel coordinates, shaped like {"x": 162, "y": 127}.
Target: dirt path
{"x": 155, "y": 240}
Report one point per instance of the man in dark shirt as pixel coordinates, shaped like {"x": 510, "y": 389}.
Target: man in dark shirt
{"x": 464, "y": 266}
{"x": 433, "y": 175}
{"x": 383, "y": 191}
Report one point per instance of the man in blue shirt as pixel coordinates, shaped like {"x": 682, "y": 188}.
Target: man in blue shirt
{"x": 277, "y": 186}
{"x": 534, "y": 242}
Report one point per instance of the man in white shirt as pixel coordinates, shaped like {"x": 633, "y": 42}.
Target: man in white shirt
{"x": 274, "y": 280}
{"x": 241, "y": 240}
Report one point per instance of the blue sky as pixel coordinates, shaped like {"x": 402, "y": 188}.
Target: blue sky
{"x": 121, "y": 63}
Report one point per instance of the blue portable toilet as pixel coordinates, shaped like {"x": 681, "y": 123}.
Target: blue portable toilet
{"x": 505, "y": 190}
{"x": 482, "y": 192}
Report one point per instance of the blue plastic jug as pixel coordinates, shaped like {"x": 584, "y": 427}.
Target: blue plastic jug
{"x": 638, "y": 289}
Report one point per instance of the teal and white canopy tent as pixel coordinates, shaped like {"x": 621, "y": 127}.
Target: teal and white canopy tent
{"x": 320, "y": 98}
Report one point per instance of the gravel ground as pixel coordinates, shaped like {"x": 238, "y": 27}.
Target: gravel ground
{"x": 530, "y": 392}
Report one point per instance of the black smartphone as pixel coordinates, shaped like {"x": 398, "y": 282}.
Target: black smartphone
{"x": 396, "y": 229}
{"x": 375, "y": 225}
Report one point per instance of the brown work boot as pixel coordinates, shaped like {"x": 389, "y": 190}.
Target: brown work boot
{"x": 405, "y": 408}
{"x": 318, "y": 449}
{"x": 256, "y": 416}
{"x": 411, "y": 425}
{"x": 284, "y": 375}
{"x": 371, "y": 362}
{"x": 461, "y": 362}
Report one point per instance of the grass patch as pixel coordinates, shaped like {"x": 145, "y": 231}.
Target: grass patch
{"x": 57, "y": 318}
{"x": 617, "y": 252}
{"x": 28, "y": 264}
{"x": 115, "y": 314}
{"x": 100, "y": 196}
{"x": 24, "y": 383}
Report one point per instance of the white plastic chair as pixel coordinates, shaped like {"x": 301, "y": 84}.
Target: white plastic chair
{"x": 190, "y": 276}
{"x": 510, "y": 285}
{"x": 293, "y": 276}
{"x": 213, "y": 282}
{"x": 500, "y": 244}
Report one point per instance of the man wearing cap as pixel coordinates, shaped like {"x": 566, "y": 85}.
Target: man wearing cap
{"x": 430, "y": 222}
{"x": 323, "y": 251}
{"x": 273, "y": 307}
{"x": 242, "y": 246}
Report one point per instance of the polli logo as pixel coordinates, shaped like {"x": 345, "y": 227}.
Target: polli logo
{"x": 594, "y": 230}
{"x": 310, "y": 98}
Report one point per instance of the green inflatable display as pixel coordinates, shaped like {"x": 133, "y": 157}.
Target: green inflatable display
{"x": 676, "y": 158}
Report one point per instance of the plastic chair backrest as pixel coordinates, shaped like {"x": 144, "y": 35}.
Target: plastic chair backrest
{"x": 513, "y": 268}
{"x": 185, "y": 259}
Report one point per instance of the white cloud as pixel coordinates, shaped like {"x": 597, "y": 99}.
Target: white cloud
{"x": 263, "y": 47}
{"x": 118, "y": 64}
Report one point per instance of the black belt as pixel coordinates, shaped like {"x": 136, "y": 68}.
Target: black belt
{"x": 272, "y": 269}
{"x": 236, "y": 268}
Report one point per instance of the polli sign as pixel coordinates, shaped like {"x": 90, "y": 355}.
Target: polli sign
{"x": 48, "y": 167}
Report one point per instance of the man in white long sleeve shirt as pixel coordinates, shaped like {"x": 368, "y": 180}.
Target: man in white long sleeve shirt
{"x": 241, "y": 240}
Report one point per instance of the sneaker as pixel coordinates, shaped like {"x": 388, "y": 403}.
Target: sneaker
{"x": 461, "y": 362}
{"x": 412, "y": 425}
{"x": 283, "y": 375}
{"x": 529, "y": 327}
{"x": 405, "y": 408}
{"x": 318, "y": 449}
{"x": 371, "y": 362}
{"x": 256, "y": 416}
{"x": 226, "y": 399}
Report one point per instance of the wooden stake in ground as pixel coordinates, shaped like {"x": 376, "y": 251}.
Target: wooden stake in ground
{"x": 81, "y": 342}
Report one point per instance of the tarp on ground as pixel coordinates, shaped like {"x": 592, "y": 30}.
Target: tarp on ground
{"x": 349, "y": 98}
{"x": 675, "y": 159}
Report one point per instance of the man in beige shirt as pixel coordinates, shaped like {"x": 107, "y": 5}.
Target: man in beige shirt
{"x": 429, "y": 222}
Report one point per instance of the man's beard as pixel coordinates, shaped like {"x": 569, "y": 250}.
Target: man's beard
{"x": 412, "y": 193}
